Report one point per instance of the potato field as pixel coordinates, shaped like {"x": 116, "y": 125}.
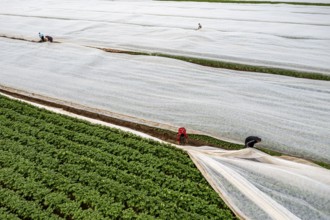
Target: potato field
{"x": 58, "y": 167}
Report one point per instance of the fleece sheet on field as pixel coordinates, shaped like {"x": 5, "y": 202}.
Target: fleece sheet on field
{"x": 281, "y": 35}
{"x": 259, "y": 186}
{"x": 289, "y": 114}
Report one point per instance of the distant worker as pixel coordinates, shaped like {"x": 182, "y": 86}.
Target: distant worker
{"x": 182, "y": 136}
{"x": 42, "y": 37}
{"x": 251, "y": 140}
{"x": 199, "y": 26}
{"x": 45, "y": 38}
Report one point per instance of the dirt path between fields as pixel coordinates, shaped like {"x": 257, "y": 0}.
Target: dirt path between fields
{"x": 163, "y": 132}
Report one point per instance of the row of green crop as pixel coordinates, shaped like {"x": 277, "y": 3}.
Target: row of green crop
{"x": 118, "y": 161}
{"x": 102, "y": 132}
{"x": 155, "y": 165}
{"x": 91, "y": 165}
{"x": 88, "y": 168}
{"x": 109, "y": 139}
{"x": 6, "y": 214}
{"x": 49, "y": 204}
{"x": 22, "y": 208}
{"x": 122, "y": 194}
{"x": 53, "y": 192}
{"x": 186, "y": 186}
{"x": 65, "y": 136}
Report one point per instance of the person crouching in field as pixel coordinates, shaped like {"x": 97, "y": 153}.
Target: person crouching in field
{"x": 182, "y": 136}
{"x": 251, "y": 140}
{"x": 45, "y": 38}
{"x": 42, "y": 37}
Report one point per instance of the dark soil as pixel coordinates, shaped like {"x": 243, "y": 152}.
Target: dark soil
{"x": 165, "y": 135}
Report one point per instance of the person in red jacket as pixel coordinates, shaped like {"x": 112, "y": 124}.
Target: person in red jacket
{"x": 182, "y": 136}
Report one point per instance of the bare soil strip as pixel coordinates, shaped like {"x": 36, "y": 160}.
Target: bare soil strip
{"x": 163, "y": 132}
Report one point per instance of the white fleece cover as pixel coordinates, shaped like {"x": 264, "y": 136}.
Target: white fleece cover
{"x": 290, "y": 115}
{"x": 259, "y": 186}
{"x": 286, "y": 36}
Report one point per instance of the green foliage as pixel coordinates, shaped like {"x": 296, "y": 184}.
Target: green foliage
{"x": 271, "y": 152}
{"x": 6, "y": 215}
{"x": 239, "y": 66}
{"x": 322, "y": 164}
{"x": 55, "y": 167}
{"x": 248, "y": 68}
{"x": 216, "y": 142}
